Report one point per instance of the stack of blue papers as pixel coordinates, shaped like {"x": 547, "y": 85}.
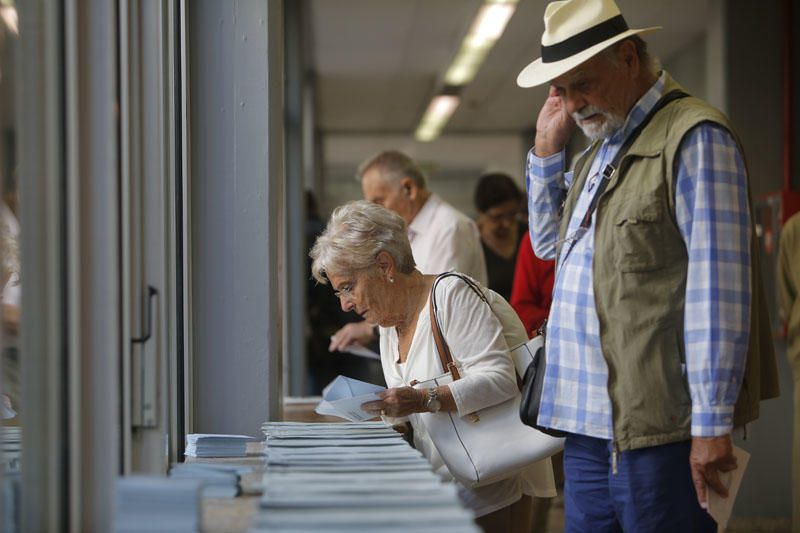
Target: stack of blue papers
{"x": 353, "y": 477}
{"x": 219, "y": 480}
{"x": 150, "y": 504}
{"x": 212, "y": 445}
{"x": 10, "y": 448}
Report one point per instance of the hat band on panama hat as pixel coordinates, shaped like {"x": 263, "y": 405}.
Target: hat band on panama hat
{"x": 585, "y": 39}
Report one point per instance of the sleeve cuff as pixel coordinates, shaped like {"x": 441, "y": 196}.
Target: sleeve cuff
{"x": 458, "y": 398}
{"x": 712, "y": 420}
{"x": 544, "y": 169}
{"x": 548, "y": 161}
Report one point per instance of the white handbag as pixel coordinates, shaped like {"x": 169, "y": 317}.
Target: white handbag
{"x": 491, "y": 444}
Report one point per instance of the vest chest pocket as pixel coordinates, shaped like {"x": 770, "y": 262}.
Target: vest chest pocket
{"x": 643, "y": 236}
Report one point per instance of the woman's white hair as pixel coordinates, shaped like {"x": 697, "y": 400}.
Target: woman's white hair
{"x": 356, "y": 233}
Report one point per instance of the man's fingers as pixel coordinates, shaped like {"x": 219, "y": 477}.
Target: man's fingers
{"x": 728, "y": 465}
{"x": 339, "y": 340}
{"x": 712, "y": 478}
{"x": 699, "y": 487}
{"x": 375, "y": 407}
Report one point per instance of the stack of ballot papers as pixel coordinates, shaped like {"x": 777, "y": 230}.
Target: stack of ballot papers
{"x": 343, "y": 397}
{"x": 219, "y": 480}
{"x": 10, "y": 448}
{"x": 210, "y": 445}
{"x": 352, "y": 477}
{"x": 9, "y": 501}
{"x": 149, "y": 504}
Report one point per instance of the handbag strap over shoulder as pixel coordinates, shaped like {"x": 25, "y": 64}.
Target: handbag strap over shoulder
{"x": 611, "y": 168}
{"x": 445, "y": 356}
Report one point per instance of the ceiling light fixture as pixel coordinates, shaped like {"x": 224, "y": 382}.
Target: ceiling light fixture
{"x": 488, "y": 26}
{"x": 8, "y": 14}
{"x": 436, "y": 116}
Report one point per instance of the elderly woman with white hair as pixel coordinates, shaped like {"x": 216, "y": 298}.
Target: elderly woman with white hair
{"x": 365, "y": 254}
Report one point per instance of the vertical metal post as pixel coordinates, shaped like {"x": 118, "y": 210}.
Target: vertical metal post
{"x": 296, "y": 271}
{"x": 93, "y": 260}
{"x": 40, "y": 69}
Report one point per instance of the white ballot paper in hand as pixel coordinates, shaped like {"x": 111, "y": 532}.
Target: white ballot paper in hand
{"x": 343, "y": 397}
{"x": 718, "y": 507}
{"x": 7, "y": 412}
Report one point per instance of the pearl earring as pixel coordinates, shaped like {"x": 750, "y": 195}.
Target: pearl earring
{"x": 391, "y": 279}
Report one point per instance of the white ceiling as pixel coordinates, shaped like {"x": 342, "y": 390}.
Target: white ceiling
{"x": 378, "y": 62}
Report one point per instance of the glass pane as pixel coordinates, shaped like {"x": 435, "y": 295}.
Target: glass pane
{"x": 11, "y": 408}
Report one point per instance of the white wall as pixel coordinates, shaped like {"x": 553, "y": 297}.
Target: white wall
{"x": 688, "y": 67}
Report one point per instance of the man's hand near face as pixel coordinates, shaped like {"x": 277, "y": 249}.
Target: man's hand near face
{"x": 554, "y": 126}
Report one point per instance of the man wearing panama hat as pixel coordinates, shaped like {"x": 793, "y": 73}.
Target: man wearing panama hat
{"x": 658, "y": 342}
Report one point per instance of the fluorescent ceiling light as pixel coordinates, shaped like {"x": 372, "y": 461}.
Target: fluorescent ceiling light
{"x": 491, "y": 21}
{"x": 488, "y": 26}
{"x": 8, "y": 13}
{"x": 465, "y": 66}
{"x": 436, "y": 116}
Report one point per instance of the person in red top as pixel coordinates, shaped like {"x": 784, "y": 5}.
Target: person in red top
{"x": 532, "y": 289}
{"x": 531, "y": 293}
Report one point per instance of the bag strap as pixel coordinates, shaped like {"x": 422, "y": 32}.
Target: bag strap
{"x": 611, "y": 168}
{"x": 445, "y": 356}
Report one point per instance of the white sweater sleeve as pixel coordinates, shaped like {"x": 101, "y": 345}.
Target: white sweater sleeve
{"x": 475, "y": 337}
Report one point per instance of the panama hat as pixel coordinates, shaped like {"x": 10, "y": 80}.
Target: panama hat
{"x": 574, "y": 31}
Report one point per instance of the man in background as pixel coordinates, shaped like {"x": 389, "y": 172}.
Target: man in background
{"x": 442, "y": 238}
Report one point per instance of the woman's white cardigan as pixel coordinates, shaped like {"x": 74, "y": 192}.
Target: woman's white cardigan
{"x": 479, "y": 337}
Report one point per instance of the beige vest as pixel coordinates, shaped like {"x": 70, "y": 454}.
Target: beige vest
{"x": 639, "y": 269}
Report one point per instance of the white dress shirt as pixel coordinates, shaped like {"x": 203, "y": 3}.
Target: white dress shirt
{"x": 479, "y": 344}
{"x": 444, "y": 239}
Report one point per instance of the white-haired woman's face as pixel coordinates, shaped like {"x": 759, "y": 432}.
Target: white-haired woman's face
{"x": 366, "y": 293}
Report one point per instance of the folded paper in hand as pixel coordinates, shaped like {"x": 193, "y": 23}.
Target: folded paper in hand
{"x": 6, "y": 412}
{"x": 718, "y": 507}
{"x": 343, "y": 397}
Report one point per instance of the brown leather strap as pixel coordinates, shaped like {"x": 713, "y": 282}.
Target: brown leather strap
{"x": 441, "y": 344}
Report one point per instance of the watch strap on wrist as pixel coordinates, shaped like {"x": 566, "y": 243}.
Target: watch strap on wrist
{"x": 432, "y": 403}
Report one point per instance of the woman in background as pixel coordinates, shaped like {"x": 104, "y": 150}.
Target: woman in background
{"x": 498, "y": 201}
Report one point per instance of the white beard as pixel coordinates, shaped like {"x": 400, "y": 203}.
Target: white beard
{"x": 598, "y": 130}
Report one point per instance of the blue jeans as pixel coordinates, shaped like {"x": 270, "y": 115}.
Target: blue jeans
{"x": 651, "y": 491}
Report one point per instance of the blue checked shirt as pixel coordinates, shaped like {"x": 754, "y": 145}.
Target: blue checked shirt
{"x": 712, "y": 212}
